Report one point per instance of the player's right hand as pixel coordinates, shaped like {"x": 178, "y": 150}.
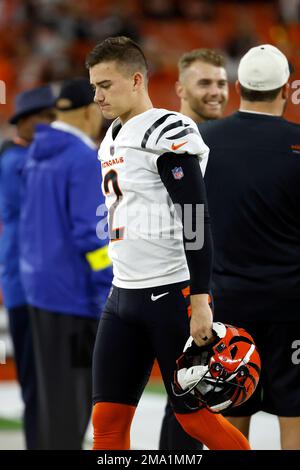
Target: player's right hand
{"x": 201, "y": 320}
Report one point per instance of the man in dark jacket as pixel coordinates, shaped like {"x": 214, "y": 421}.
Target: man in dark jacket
{"x": 32, "y": 107}
{"x": 253, "y": 190}
{"x": 65, "y": 267}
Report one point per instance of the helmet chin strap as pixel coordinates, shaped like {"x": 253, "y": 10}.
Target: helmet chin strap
{"x": 189, "y": 378}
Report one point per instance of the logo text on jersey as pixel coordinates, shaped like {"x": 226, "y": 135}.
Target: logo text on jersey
{"x": 178, "y": 172}
{"x": 177, "y": 146}
{"x": 112, "y": 162}
{"x": 156, "y": 297}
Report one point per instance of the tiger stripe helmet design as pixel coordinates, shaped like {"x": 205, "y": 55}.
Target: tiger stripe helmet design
{"x": 221, "y": 375}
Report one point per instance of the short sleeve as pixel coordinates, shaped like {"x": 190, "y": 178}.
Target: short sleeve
{"x": 178, "y": 134}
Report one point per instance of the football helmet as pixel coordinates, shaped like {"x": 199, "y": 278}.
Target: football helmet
{"x": 220, "y": 375}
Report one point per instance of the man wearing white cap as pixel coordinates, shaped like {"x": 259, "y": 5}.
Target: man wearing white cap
{"x": 253, "y": 188}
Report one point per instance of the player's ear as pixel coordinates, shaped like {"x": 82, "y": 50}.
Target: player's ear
{"x": 138, "y": 80}
{"x": 285, "y": 91}
{"x": 179, "y": 88}
{"x": 237, "y": 86}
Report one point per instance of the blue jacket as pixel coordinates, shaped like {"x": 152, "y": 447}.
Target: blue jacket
{"x": 11, "y": 161}
{"x": 64, "y": 265}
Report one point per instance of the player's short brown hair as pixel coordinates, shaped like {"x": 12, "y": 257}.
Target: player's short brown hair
{"x": 255, "y": 95}
{"x": 208, "y": 56}
{"x": 122, "y": 50}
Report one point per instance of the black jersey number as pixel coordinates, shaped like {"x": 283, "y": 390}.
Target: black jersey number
{"x": 112, "y": 176}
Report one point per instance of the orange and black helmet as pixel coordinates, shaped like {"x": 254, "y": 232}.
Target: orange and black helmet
{"x": 221, "y": 375}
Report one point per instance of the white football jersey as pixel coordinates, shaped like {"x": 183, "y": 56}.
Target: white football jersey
{"x": 146, "y": 245}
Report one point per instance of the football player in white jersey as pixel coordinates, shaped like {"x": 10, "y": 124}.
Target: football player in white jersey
{"x": 161, "y": 250}
{"x": 202, "y": 87}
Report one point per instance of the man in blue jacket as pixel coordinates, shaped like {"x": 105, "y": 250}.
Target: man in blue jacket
{"x": 32, "y": 107}
{"x": 65, "y": 267}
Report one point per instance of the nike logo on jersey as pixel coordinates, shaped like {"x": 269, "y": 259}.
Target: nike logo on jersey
{"x": 177, "y": 146}
{"x": 156, "y": 297}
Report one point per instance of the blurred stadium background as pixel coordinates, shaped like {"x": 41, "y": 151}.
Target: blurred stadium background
{"x": 46, "y": 41}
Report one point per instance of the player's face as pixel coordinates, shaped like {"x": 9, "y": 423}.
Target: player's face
{"x": 204, "y": 87}
{"x": 113, "y": 90}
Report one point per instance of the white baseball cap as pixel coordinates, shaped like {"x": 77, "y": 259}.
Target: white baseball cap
{"x": 263, "y": 68}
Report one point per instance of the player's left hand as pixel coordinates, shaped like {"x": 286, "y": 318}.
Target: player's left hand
{"x": 201, "y": 321}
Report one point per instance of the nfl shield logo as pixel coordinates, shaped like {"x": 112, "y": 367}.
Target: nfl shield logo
{"x": 178, "y": 172}
{"x": 112, "y": 150}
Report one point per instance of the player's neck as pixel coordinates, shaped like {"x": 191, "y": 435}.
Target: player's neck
{"x": 274, "y": 107}
{"x": 144, "y": 104}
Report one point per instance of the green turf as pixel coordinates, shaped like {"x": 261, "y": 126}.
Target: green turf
{"x": 9, "y": 424}
{"x": 155, "y": 386}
